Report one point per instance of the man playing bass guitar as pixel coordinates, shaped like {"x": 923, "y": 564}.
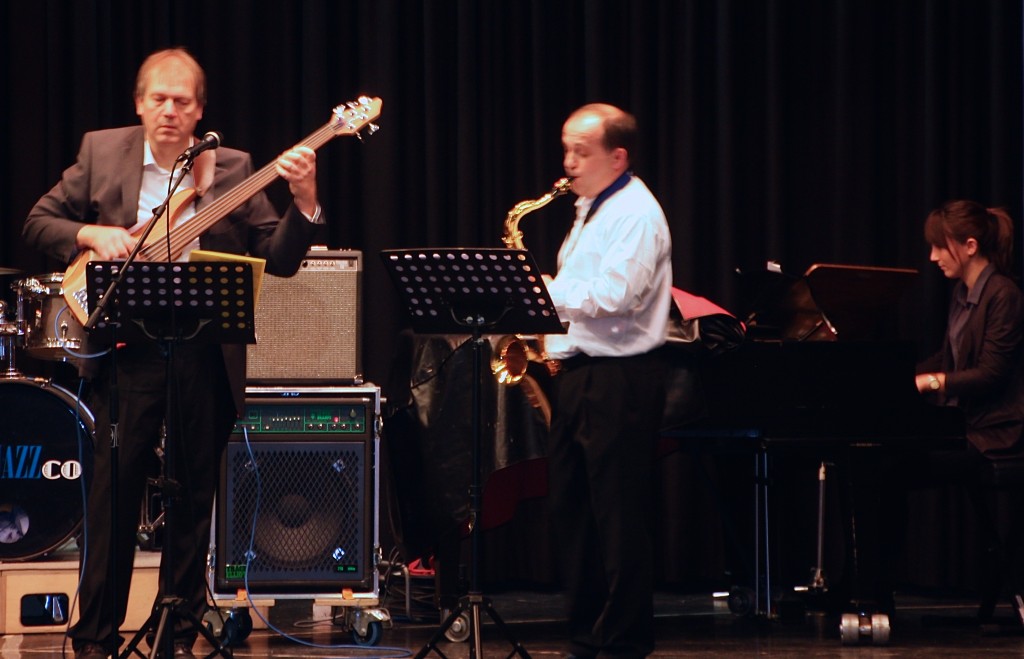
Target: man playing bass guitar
{"x": 119, "y": 177}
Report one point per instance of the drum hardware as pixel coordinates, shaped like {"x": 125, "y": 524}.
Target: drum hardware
{"x": 51, "y": 332}
{"x": 9, "y": 335}
{"x": 151, "y": 515}
{"x": 151, "y": 518}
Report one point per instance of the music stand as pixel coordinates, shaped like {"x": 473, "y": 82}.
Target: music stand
{"x": 858, "y": 301}
{"x": 171, "y": 303}
{"x": 480, "y": 291}
{"x": 829, "y": 302}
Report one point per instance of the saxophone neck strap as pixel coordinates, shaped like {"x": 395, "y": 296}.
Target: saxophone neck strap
{"x": 617, "y": 185}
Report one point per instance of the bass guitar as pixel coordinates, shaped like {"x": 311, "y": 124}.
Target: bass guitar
{"x": 347, "y": 119}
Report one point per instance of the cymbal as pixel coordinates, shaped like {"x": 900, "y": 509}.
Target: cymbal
{"x": 9, "y": 271}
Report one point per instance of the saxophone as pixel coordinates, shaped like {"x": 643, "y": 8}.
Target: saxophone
{"x": 513, "y": 237}
{"x": 512, "y": 353}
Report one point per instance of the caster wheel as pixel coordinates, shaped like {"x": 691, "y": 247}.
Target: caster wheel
{"x": 854, "y": 628}
{"x": 458, "y": 632}
{"x": 849, "y": 629}
{"x": 880, "y": 629}
{"x": 374, "y": 631}
{"x": 237, "y": 627}
{"x": 741, "y": 602}
{"x": 213, "y": 623}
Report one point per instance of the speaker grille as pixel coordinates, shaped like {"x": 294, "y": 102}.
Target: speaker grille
{"x": 308, "y": 325}
{"x": 304, "y": 507}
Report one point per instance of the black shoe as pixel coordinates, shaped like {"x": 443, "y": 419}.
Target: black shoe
{"x": 183, "y": 651}
{"x": 91, "y": 651}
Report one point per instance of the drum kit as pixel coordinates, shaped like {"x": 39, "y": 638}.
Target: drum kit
{"x": 46, "y": 433}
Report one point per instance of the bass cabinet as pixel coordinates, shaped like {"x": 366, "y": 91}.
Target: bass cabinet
{"x": 298, "y": 505}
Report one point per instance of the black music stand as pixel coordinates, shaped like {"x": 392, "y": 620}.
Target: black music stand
{"x": 171, "y": 303}
{"x": 858, "y": 302}
{"x": 829, "y": 302}
{"x": 480, "y": 291}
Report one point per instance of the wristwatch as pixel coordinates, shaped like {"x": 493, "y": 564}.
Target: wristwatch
{"x": 933, "y": 383}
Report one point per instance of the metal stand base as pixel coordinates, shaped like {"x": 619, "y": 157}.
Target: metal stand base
{"x": 165, "y": 614}
{"x": 472, "y": 604}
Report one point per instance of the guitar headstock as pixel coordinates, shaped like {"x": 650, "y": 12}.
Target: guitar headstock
{"x": 352, "y": 117}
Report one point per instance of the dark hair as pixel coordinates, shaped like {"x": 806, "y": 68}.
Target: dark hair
{"x": 619, "y": 126}
{"x": 962, "y": 219}
{"x": 159, "y": 58}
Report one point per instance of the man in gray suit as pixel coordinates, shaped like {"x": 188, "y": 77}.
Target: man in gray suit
{"x": 119, "y": 177}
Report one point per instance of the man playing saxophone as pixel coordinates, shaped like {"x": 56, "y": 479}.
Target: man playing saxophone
{"x": 613, "y": 285}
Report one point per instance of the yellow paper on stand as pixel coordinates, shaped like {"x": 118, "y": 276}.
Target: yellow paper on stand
{"x": 258, "y": 266}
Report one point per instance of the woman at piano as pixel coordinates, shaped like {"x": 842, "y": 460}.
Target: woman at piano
{"x": 980, "y": 366}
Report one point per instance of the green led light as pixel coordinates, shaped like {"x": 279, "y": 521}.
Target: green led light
{"x": 321, "y": 414}
{"x": 234, "y": 572}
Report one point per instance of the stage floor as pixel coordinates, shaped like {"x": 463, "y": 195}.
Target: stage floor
{"x": 687, "y": 626}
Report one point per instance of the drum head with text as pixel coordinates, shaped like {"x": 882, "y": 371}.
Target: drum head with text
{"x": 46, "y": 454}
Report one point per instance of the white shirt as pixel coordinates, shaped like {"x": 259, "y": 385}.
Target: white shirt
{"x": 614, "y": 281}
{"x": 154, "y": 189}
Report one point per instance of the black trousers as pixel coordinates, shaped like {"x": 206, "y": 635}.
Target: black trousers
{"x": 204, "y": 414}
{"x": 601, "y": 455}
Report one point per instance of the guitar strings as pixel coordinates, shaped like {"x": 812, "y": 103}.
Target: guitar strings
{"x": 219, "y": 208}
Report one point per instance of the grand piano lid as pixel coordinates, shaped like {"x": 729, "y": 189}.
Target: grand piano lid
{"x": 829, "y": 302}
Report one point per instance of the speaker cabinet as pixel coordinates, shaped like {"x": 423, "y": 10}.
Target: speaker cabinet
{"x": 308, "y": 325}
{"x": 297, "y": 511}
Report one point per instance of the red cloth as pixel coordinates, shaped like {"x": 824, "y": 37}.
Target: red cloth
{"x": 694, "y": 306}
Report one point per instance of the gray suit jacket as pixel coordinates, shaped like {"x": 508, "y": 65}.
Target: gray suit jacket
{"x": 103, "y": 186}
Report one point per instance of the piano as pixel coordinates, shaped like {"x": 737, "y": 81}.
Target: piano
{"x": 817, "y": 374}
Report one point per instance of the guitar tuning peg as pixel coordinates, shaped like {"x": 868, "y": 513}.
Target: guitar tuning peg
{"x": 370, "y": 130}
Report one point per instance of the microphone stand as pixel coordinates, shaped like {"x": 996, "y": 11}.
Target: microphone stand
{"x": 158, "y": 212}
{"x": 99, "y": 312}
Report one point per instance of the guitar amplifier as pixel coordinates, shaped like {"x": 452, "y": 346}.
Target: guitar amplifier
{"x": 308, "y": 325}
{"x": 298, "y": 505}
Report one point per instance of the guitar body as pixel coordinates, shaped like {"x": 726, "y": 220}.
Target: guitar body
{"x": 73, "y": 288}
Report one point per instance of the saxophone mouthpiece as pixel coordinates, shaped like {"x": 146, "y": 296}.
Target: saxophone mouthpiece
{"x": 562, "y": 185}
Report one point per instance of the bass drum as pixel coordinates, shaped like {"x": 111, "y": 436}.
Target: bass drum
{"x": 46, "y": 456}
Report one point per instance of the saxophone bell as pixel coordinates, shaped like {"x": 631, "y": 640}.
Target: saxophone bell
{"x": 511, "y": 356}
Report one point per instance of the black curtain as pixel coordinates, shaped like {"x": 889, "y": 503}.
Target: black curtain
{"x": 801, "y": 131}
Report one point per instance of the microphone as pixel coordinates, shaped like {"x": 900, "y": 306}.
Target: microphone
{"x": 211, "y": 140}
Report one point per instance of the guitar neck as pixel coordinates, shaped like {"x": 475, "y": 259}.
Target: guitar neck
{"x": 222, "y": 206}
